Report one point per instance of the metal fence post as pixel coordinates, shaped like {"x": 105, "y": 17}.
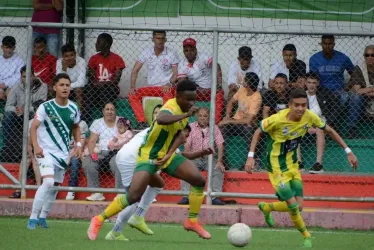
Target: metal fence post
{"x": 27, "y": 111}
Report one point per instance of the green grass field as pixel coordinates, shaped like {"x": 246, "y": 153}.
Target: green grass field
{"x": 68, "y": 234}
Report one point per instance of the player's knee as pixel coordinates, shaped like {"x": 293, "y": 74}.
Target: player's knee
{"x": 133, "y": 197}
{"x": 48, "y": 182}
{"x": 198, "y": 182}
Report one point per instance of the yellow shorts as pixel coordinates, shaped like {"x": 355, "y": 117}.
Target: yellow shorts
{"x": 287, "y": 184}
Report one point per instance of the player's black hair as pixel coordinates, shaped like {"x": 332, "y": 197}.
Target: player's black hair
{"x": 67, "y": 48}
{"x": 289, "y": 47}
{"x": 9, "y": 41}
{"x": 40, "y": 39}
{"x": 252, "y": 80}
{"x": 23, "y": 69}
{"x": 107, "y": 38}
{"x": 281, "y": 75}
{"x": 313, "y": 75}
{"x": 330, "y": 37}
{"x": 186, "y": 85}
{"x": 298, "y": 93}
{"x": 158, "y": 32}
{"x": 60, "y": 76}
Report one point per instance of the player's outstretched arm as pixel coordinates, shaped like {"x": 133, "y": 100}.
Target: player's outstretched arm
{"x": 249, "y": 165}
{"x": 336, "y": 137}
{"x": 38, "y": 151}
{"x": 165, "y": 118}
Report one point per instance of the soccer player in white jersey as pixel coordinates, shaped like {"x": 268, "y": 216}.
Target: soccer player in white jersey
{"x": 197, "y": 67}
{"x": 54, "y": 123}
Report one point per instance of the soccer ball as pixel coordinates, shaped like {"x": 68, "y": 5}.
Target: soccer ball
{"x": 239, "y": 235}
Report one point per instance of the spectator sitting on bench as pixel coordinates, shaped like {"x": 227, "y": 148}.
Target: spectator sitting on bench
{"x": 75, "y": 67}
{"x": 101, "y": 131}
{"x": 162, "y": 66}
{"x": 10, "y": 65}
{"x": 249, "y": 103}
{"x": 277, "y": 98}
{"x": 14, "y": 114}
{"x": 199, "y": 140}
{"x": 362, "y": 80}
{"x": 30, "y": 160}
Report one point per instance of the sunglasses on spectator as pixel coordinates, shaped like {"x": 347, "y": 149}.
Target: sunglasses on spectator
{"x": 369, "y": 55}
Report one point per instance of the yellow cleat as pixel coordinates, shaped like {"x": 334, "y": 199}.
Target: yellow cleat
{"x": 138, "y": 222}
{"x": 115, "y": 236}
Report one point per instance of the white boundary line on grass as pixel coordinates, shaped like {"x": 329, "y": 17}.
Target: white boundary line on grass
{"x": 291, "y": 10}
{"x": 227, "y": 227}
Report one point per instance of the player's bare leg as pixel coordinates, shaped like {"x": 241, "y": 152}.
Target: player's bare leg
{"x": 190, "y": 174}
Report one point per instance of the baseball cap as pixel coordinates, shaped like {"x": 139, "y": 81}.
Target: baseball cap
{"x": 189, "y": 42}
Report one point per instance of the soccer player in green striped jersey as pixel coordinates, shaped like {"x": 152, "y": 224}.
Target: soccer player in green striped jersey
{"x": 285, "y": 130}
{"x": 54, "y": 123}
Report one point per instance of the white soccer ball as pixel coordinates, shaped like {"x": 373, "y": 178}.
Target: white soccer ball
{"x": 239, "y": 235}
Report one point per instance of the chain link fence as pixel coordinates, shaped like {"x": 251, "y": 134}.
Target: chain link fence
{"x": 106, "y": 86}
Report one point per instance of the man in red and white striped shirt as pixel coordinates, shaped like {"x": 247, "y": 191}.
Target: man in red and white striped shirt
{"x": 199, "y": 140}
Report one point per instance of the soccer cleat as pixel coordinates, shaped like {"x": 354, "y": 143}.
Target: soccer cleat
{"x": 307, "y": 242}
{"x": 42, "y": 222}
{"x": 268, "y": 217}
{"x": 32, "y": 224}
{"x": 138, "y": 222}
{"x": 94, "y": 228}
{"x": 115, "y": 236}
{"x": 197, "y": 228}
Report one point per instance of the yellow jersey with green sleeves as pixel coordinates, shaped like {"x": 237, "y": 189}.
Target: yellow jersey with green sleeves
{"x": 285, "y": 137}
{"x": 161, "y": 137}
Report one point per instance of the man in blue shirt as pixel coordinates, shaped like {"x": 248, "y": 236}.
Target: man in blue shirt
{"x": 330, "y": 65}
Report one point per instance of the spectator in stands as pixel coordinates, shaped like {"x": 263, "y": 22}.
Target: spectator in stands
{"x": 277, "y": 98}
{"x": 330, "y": 65}
{"x": 197, "y": 67}
{"x": 290, "y": 66}
{"x": 31, "y": 160}
{"x": 239, "y": 69}
{"x": 322, "y": 102}
{"x": 104, "y": 74}
{"x": 249, "y": 103}
{"x": 199, "y": 140}
{"x": 75, "y": 67}
{"x": 162, "y": 66}
{"x": 101, "y": 131}
{"x": 44, "y": 64}
{"x": 362, "y": 80}
{"x": 48, "y": 11}
{"x": 300, "y": 82}
{"x": 10, "y": 66}
{"x": 75, "y": 162}
{"x": 14, "y": 114}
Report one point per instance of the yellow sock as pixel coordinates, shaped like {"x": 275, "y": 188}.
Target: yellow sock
{"x": 279, "y": 206}
{"x": 114, "y": 208}
{"x": 195, "y": 198}
{"x": 298, "y": 220}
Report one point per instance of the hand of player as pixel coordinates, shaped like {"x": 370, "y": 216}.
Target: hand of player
{"x": 249, "y": 165}
{"x": 38, "y": 151}
{"x": 161, "y": 162}
{"x": 220, "y": 166}
{"x": 192, "y": 111}
{"x": 353, "y": 161}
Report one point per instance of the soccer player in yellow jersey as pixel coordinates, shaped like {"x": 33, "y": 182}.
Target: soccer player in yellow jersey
{"x": 285, "y": 130}
{"x": 154, "y": 154}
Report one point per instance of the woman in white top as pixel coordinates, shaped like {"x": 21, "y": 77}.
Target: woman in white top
{"x": 101, "y": 132}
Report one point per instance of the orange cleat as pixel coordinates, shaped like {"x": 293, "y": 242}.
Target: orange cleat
{"x": 94, "y": 228}
{"x": 197, "y": 228}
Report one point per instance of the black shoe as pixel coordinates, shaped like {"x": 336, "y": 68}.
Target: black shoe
{"x": 317, "y": 168}
{"x": 184, "y": 201}
{"x": 301, "y": 166}
{"x": 217, "y": 202}
{"x": 15, "y": 195}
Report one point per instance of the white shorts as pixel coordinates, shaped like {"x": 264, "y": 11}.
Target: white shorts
{"x": 48, "y": 167}
{"x": 126, "y": 163}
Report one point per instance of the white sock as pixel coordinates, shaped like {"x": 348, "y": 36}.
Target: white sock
{"x": 40, "y": 197}
{"x": 123, "y": 217}
{"x": 51, "y": 198}
{"x": 146, "y": 200}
